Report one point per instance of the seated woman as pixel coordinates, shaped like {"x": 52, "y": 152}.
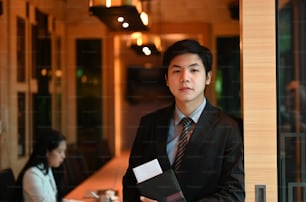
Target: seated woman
{"x": 36, "y": 181}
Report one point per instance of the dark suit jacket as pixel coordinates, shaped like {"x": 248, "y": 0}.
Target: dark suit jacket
{"x": 212, "y": 169}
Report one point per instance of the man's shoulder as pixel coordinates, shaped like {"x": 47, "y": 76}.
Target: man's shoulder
{"x": 159, "y": 114}
{"x": 221, "y": 115}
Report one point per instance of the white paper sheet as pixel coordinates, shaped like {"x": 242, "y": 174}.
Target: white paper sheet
{"x": 147, "y": 170}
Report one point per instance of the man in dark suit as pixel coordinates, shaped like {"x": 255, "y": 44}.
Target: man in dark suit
{"x": 212, "y": 164}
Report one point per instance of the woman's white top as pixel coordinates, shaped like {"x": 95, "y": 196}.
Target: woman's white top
{"x": 38, "y": 187}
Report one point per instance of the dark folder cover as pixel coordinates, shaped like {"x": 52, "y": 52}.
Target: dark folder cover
{"x": 163, "y": 188}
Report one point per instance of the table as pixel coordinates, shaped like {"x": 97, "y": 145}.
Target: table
{"x": 108, "y": 177}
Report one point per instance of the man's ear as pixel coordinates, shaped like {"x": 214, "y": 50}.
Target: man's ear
{"x": 208, "y": 77}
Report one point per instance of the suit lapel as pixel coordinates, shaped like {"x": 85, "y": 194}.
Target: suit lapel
{"x": 204, "y": 126}
{"x": 205, "y": 123}
{"x": 201, "y": 131}
{"x": 162, "y": 135}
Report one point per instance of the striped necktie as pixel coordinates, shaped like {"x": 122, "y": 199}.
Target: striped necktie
{"x": 182, "y": 142}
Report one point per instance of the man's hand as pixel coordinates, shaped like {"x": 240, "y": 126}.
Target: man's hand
{"x": 144, "y": 199}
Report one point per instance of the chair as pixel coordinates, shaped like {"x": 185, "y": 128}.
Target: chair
{"x": 97, "y": 153}
{"x": 7, "y": 183}
{"x": 75, "y": 167}
{"x": 103, "y": 153}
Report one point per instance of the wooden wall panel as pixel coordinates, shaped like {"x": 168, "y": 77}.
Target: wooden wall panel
{"x": 259, "y": 96}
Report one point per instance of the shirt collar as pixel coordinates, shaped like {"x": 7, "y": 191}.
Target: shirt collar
{"x": 195, "y": 115}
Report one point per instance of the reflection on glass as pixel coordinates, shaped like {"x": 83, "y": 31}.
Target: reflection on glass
{"x": 291, "y": 71}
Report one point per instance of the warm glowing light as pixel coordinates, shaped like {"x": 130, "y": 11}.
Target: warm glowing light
{"x": 157, "y": 41}
{"x": 144, "y": 18}
{"x": 91, "y": 3}
{"x": 108, "y": 3}
{"x": 146, "y": 50}
{"x": 142, "y": 39}
{"x": 84, "y": 79}
{"x": 135, "y": 35}
{"x": 58, "y": 73}
{"x": 44, "y": 72}
{"x": 120, "y": 19}
{"x": 139, "y": 41}
{"x": 125, "y": 25}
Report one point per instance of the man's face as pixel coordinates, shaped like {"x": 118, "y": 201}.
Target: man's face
{"x": 187, "y": 78}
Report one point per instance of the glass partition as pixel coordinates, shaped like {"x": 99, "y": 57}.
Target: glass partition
{"x": 291, "y": 87}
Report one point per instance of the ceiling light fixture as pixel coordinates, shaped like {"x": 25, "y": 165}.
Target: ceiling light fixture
{"x": 145, "y": 44}
{"x": 125, "y": 17}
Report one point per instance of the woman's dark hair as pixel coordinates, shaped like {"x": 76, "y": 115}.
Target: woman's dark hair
{"x": 188, "y": 46}
{"x": 46, "y": 141}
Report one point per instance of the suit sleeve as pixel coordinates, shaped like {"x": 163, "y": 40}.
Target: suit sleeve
{"x": 231, "y": 183}
{"x": 130, "y": 192}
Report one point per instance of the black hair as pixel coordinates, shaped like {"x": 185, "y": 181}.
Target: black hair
{"x": 47, "y": 140}
{"x": 188, "y": 46}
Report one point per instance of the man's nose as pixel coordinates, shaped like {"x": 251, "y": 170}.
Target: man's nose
{"x": 184, "y": 76}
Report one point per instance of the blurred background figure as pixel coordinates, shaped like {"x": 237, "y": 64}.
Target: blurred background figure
{"x": 292, "y": 139}
{"x": 36, "y": 181}
{"x": 293, "y": 112}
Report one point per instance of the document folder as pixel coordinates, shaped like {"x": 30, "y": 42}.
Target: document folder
{"x": 163, "y": 188}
